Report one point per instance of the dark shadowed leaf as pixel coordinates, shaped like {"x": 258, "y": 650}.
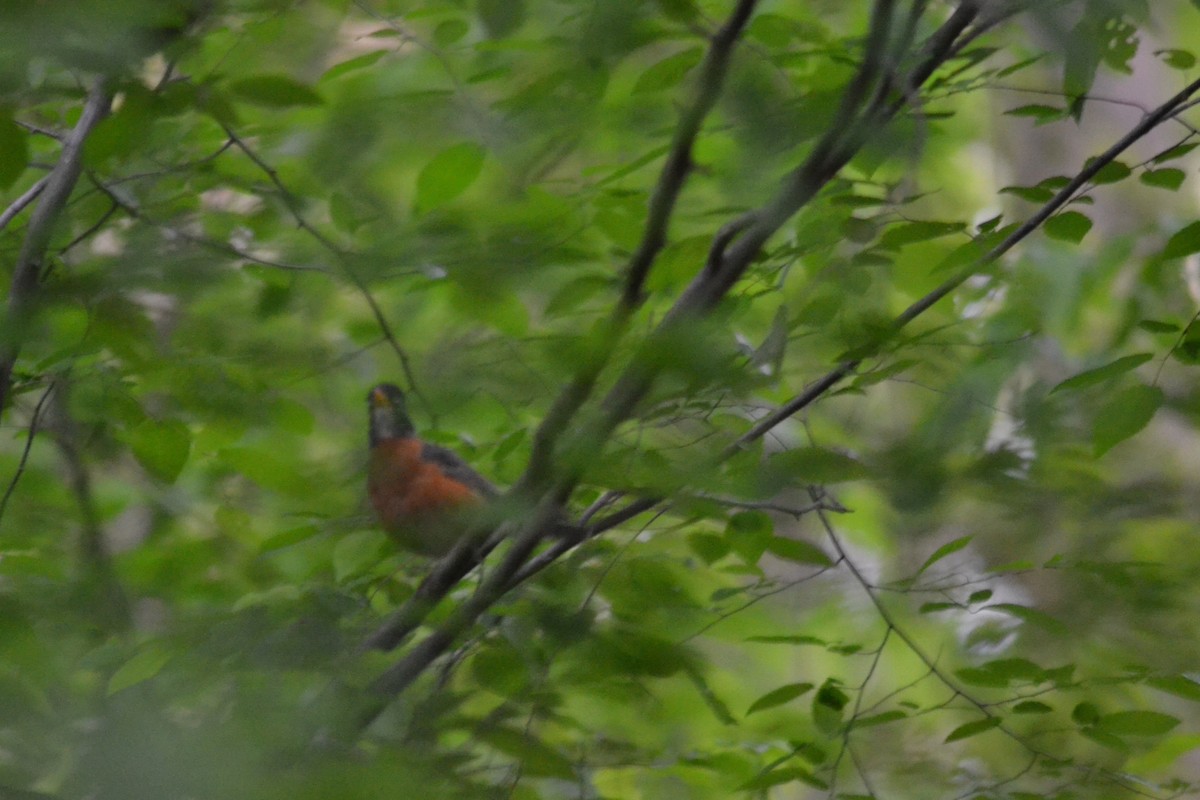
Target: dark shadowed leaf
{"x": 1097, "y": 375}
{"x": 274, "y": 91}
{"x": 777, "y": 697}
{"x": 969, "y": 729}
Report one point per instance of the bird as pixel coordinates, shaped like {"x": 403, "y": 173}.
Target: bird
{"x": 425, "y": 496}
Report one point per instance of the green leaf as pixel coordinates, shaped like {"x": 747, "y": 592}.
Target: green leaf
{"x": 1107, "y": 372}
{"x": 710, "y": 547}
{"x": 1178, "y": 151}
{"x": 777, "y": 697}
{"x": 1041, "y": 113}
{"x": 1126, "y": 413}
{"x": 450, "y": 31}
{"x": 1185, "y": 242}
{"x": 880, "y": 719}
{"x": 948, "y": 548}
{"x": 1111, "y": 172}
{"x": 535, "y": 757}
{"x": 143, "y": 666}
{"x": 1034, "y": 194}
{"x": 1069, "y": 226}
{"x": 1085, "y": 714}
{"x": 778, "y": 777}
{"x": 1138, "y": 723}
{"x": 501, "y": 669}
{"x": 14, "y": 151}
{"x": 1178, "y": 685}
{"x": 352, "y": 64}
{"x": 749, "y": 533}
{"x": 817, "y": 465}
{"x": 919, "y": 231}
{"x": 275, "y": 91}
{"x": 448, "y": 174}
{"x": 827, "y": 707}
{"x": 969, "y": 729}
{"x": 1031, "y": 707}
{"x": 1158, "y": 326}
{"x": 1182, "y": 60}
{"x": 1168, "y": 178}
{"x": 798, "y": 551}
{"x": 1105, "y": 738}
{"x": 667, "y": 73}
{"x": 161, "y": 447}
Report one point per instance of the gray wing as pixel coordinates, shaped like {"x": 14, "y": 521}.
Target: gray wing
{"x": 456, "y": 468}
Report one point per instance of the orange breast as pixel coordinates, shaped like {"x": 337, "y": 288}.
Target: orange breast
{"x": 404, "y": 489}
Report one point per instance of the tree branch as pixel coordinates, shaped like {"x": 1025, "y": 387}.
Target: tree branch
{"x": 1064, "y": 196}
{"x": 676, "y": 168}
{"x": 679, "y": 159}
{"x": 27, "y": 272}
{"x": 18, "y": 205}
{"x": 34, "y": 419}
{"x": 830, "y": 155}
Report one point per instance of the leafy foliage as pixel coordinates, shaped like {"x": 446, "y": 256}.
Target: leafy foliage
{"x": 887, "y": 495}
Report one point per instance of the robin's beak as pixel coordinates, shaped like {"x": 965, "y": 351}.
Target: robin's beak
{"x": 379, "y": 399}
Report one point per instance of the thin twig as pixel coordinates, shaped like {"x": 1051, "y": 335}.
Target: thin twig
{"x": 297, "y": 214}
{"x": 18, "y": 205}
{"x": 33, "y": 429}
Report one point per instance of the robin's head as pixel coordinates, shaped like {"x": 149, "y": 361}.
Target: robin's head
{"x": 388, "y": 413}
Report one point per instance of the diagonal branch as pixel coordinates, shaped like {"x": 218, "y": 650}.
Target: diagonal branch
{"x": 1151, "y": 121}
{"x": 676, "y": 168}
{"x": 27, "y": 273}
{"x": 710, "y": 285}
{"x": 18, "y": 205}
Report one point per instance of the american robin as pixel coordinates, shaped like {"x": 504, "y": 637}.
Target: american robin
{"x": 425, "y": 496}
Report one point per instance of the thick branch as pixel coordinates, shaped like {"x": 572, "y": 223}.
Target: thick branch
{"x": 27, "y": 273}
{"x": 679, "y": 159}
{"x": 835, "y": 149}
{"x": 676, "y": 168}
